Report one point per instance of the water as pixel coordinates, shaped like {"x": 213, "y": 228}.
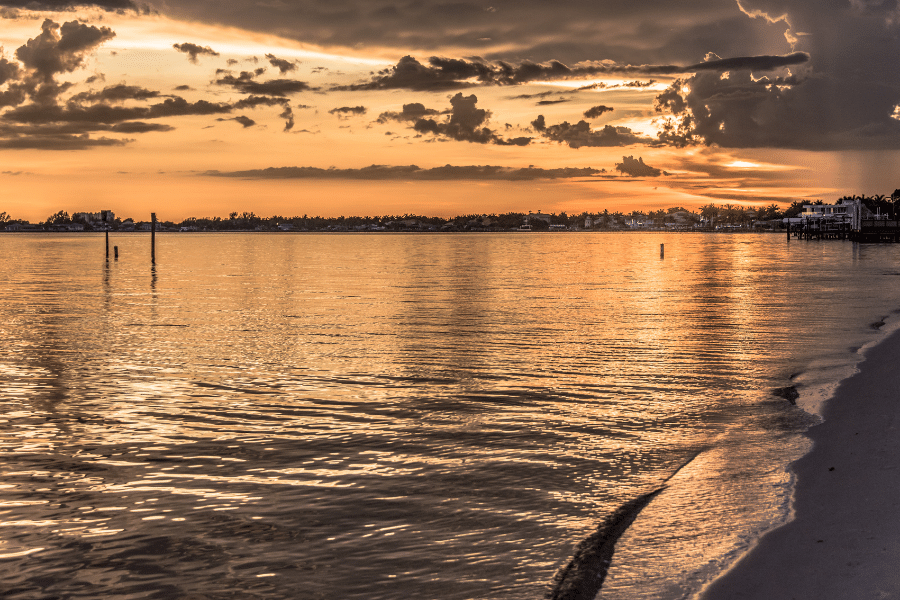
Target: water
{"x": 394, "y": 416}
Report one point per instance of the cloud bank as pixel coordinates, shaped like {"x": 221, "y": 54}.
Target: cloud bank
{"x": 414, "y": 173}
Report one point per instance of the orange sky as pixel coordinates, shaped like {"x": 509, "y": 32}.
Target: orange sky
{"x": 97, "y": 121}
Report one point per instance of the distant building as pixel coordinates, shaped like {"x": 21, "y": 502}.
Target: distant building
{"x": 94, "y": 219}
{"x": 539, "y": 216}
{"x": 826, "y": 210}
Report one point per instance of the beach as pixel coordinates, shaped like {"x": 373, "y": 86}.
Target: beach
{"x": 844, "y": 539}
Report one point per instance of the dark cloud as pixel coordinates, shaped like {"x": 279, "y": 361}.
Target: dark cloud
{"x": 286, "y": 112}
{"x": 60, "y": 142}
{"x": 60, "y": 49}
{"x": 845, "y": 96}
{"x": 410, "y": 74}
{"x": 113, "y": 5}
{"x": 411, "y": 112}
{"x": 245, "y": 121}
{"x": 546, "y": 94}
{"x": 246, "y": 83}
{"x": 284, "y": 66}
{"x": 596, "y": 111}
{"x": 581, "y": 134}
{"x": 414, "y": 173}
{"x": 8, "y": 70}
{"x": 612, "y": 86}
{"x": 638, "y": 32}
{"x": 109, "y": 114}
{"x": 139, "y": 127}
{"x": 254, "y": 101}
{"x": 443, "y": 74}
{"x": 194, "y": 51}
{"x": 466, "y": 124}
{"x": 549, "y": 102}
{"x": 116, "y": 93}
{"x": 56, "y": 50}
{"x": 348, "y": 110}
{"x": 636, "y": 168}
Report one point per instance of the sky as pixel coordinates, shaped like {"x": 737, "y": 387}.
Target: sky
{"x": 443, "y": 108}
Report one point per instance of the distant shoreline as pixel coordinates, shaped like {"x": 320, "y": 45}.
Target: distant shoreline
{"x": 741, "y": 231}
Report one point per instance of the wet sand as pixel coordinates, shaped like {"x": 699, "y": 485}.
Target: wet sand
{"x": 844, "y": 542}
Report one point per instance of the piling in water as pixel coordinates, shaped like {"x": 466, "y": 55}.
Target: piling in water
{"x": 116, "y": 252}
{"x": 662, "y": 250}
{"x": 153, "y": 238}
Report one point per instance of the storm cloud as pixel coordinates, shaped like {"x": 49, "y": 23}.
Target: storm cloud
{"x": 840, "y": 98}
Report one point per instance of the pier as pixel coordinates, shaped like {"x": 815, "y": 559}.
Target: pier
{"x": 843, "y": 221}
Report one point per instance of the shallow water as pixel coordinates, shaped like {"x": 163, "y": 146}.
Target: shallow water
{"x": 393, "y": 416}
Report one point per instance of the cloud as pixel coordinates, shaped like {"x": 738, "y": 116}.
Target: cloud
{"x": 546, "y": 94}
{"x": 557, "y": 101}
{"x": 194, "y": 51}
{"x": 414, "y": 173}
{"x": 466, "y": 124}
{"x": 8, "y": 70}
{"x": 581, "y": 134}
{"x": 58, "y": 142}
{"x": 109, "y": 114}
{"x": 344, "y": 111}
{"x": 411, "y": 112}
{"x": 596, "y": 111}
{"x": 116, "y": 93}
{"x": 113, "y": 5}
{"x": 60, "y": 49}
{"x": 246, "y": 83}
{"x": 838, "y": 99}
{"x": 284, "y": 66}
{"x": 612, "y": 86}
{"x": 140, "y": 127}
{"x": 646, "y": 32}
{"x": 441, "y": 74}
{"x": 245, "y": 121}
{"x": 636, "y": 168}
{"x": 286, "y": 112}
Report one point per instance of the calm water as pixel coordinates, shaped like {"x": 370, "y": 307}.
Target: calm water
{"x": 396, "y": 416}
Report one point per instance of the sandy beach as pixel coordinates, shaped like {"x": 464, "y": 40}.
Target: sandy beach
{"x": 844, "y": 542}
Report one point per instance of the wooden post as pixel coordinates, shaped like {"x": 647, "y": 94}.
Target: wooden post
{"x": 788, "y": 229}
{"x": 662, "y": 251}
{"x": 116, "y": 252}
{"x": 153, "y": 238}
{"x": 105, "y": 216}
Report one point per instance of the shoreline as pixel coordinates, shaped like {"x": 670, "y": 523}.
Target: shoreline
{"x": 844, "y": 538}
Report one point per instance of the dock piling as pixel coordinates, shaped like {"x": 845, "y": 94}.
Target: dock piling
{"x": 153, "y": 238}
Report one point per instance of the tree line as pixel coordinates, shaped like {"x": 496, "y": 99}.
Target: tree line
{"x": 708, "y": 215}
